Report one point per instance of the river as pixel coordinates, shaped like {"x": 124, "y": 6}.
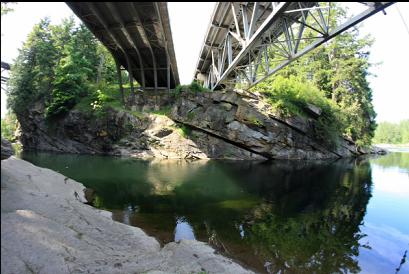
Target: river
{"x": 347, "y": 216}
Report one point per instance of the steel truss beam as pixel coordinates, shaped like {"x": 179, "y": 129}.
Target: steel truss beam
{"x": 264, "y": 38}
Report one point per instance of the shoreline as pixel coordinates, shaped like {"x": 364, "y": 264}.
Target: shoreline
{"x": 394, "y": 147}
{"x": 48, "y": 228}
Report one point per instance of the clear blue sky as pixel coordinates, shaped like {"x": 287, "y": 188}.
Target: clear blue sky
{"x": 189, "y": 23}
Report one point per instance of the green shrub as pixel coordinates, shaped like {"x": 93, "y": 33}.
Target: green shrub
{"x": 253, "y": 120}
{"x": 291, "y": 96}
{"x": 164, "y": 111}
{"x": 184, "y": 130}
{"x": 194, "y": 87}
{"x": 9, "y": 126}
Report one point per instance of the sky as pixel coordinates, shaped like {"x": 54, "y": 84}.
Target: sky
{"x": 189, "y": 22}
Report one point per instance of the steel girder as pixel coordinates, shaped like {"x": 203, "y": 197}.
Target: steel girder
{"x": 248, "y": 41}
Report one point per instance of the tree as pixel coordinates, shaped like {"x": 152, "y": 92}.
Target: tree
{"x": 340, "y": 68}
{"x": 106, "y": 72}
{"x": 9, "y": 126}
{"x": 57, "y": 66}
{"x": 390, "y": 133}
{"x": 32, "y": 73}
{"x": 74, "y": 71}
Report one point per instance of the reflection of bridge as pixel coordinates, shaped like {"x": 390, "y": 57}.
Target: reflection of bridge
{"x": 245, "y": 41}
{"x": 139, "y": 37}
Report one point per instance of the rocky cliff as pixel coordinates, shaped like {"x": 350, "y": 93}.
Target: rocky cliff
{"x": 222, "y": 124}
{"x": 248, "y": 122}
{"x": 6, "y": 149}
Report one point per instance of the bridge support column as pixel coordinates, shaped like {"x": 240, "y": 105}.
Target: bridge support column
{"x": 130, "y": 74}
{"x": 168, "y": 75}
{"x": 121, "y": 88}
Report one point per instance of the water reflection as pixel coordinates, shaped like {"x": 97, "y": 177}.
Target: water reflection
{"x": 275, "y": 217}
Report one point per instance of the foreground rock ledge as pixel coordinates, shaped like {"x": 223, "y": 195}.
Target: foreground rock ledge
{"x": 46, "y": 228}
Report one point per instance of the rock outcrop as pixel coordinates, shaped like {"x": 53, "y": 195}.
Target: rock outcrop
{"x": 246, "y": 121}
{"x": 221, "y": 124}
{"x": 124, "y": 134}
{"x": 6, "y": 149}
{"x": 47, "y": 228}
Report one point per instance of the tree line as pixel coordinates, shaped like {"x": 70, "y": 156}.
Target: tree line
{"x": 392, "y": 133}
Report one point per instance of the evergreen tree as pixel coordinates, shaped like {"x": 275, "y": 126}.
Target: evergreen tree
{"x": 32, "y": 74}
{"x": 74, "y": 71}
{"x": 390, "y": 133}
{"x": 58, "y": 65}
{"x": 339, "y": 68}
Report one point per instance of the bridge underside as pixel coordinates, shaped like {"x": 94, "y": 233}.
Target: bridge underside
{"x": 248, "y": 41}
{"x": 139, "y": 37}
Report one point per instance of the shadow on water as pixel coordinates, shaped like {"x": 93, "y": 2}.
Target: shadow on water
{"x": 276, "y": 217}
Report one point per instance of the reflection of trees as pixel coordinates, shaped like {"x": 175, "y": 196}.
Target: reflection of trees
{"x": 320, "y": 235}
{"x": 165, "y": 176}
{"x": 395, "y": 159}
{"x": 300, "y": 217}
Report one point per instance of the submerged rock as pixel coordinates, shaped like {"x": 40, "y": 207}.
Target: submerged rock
{"x": 47, "y": 228}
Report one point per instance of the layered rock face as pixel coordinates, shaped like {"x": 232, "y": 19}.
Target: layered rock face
{"x": 222, "y": 124}
{"x": 246, "y": 121}
{"x": 124, "y": 134}
{"x": 77, "y": 132}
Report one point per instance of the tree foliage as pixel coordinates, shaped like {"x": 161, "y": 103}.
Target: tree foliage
{"x": 58, "y": 65}
{"x": 391, "y": 133}
{"x": 9, "y": 126}
{"x": 32, "y": 73}
{"x": 74, "y": 72}
{"x": 339, "y": 69}
{"x": 290, "y": 96}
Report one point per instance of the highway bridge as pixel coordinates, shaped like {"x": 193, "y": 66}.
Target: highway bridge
{"x": 248, "y": 41}
{"x": 245, "y": 42}
{"x": 139, "y": 37}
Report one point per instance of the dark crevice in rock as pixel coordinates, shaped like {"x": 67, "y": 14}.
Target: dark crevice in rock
{"x": 315, "y": 146}
{"x": 225, "y": 139}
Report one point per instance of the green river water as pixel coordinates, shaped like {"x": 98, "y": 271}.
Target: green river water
{"x": 349, "y": 215}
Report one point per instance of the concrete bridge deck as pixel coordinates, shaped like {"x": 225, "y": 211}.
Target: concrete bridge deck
{"x": 139, "y": 37}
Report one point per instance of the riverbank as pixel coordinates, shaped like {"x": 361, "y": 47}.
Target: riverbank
{"x": 226, "y": 124}
{"x": 47, "y": 228}
{"x": 394, "y": 147}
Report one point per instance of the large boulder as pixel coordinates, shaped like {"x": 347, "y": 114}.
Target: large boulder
{"x": 6, "y": 149}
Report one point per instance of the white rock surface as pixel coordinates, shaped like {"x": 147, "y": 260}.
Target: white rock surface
{"x": 46, "y": 228}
